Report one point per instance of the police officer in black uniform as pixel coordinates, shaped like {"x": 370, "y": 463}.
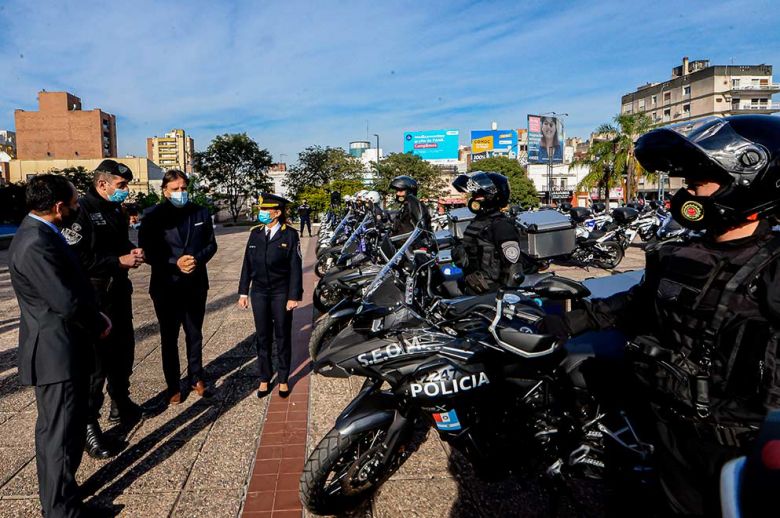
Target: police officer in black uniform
{"x": 706, "y": 317}
{"x": 273, "y": 270}
{"x": 304, "y": 212}
{"x": 412, "y": 210}
{"x": 100, "y": 238}
{"x": 491, "y": 240}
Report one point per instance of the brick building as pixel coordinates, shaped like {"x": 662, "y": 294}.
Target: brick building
{"x": 60, "y": 129}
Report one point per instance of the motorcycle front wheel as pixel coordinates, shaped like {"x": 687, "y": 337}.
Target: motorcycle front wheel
{"x": 325, "y": 330}
{"x": 324, "y": 264}
{"x": 324, "y": 297}
{"x": 610, "y": 255}
{"x": 343, "y": 471}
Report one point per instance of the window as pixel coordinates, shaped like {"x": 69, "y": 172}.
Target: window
{"x": 641, "y": 104}
{"x": 686, "y": 109}
{"x": 687, "y": 90}
{"x": 667, "y": 115}
{"x": 763, "y": 100}
{"x": 655, "y": 116}
{"x": 735, "y": 83}
{"x": 654, "y": 100}
{"x": 755, "y": 82}
{"x": 667, "y": 97}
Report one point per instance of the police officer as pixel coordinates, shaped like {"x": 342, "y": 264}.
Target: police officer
{"x": 412, "y": 210}
{"x": 706, "y": 317}
{"x": 100, "y": 238}
{"x": 491, "y": 240}
{"x": 304, "y": 212}
{"x": 273, "y": 270}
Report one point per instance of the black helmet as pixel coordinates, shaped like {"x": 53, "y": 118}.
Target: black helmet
{"x": 494, "y": 187}
{"x": 404, "y": 183}
{"x": 741, "y": 153}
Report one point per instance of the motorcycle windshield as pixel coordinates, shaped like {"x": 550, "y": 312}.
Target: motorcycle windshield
{"x": 351, "y": 244}
{"x": 340, "y": 228}
{"x": 386, "y": 274}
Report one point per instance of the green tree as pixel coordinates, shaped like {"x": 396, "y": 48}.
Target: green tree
{"x": 522, "y": 188}
{"x": 78, "y": 176}
{"x": 429, "y": 178}
{"x": 233, "y": 169}
{"x": 612, "y": 155}
{"x": 320, "y": 171}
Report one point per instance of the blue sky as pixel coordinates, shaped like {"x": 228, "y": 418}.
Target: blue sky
{"x": 293, "y": 74}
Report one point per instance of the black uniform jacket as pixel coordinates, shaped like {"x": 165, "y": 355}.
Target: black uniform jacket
{"x": 59, "y": 317}
{"x": 273, "y": 266}
{"x": 100, "y": 236}
{"x": 169, "y": 232}
{"x": 412, "y": 211}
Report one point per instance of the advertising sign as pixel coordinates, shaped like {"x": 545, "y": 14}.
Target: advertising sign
{"x": 439, "y": 146}
{"x": 490, "y": 143}
{"x": 545, "y": 139}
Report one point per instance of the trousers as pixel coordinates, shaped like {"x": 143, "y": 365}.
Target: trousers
{"x": 173, "y": 313}
{"x": 272, "y": 323}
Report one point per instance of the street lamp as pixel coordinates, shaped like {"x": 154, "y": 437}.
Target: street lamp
{"x": 377, "y": 151}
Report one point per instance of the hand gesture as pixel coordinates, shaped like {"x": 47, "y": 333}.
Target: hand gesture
{"x": 139, "y": 252}
{"x": 186, "y": 264}
{"x": 243, "y": 302}
{"x": 292, "y": 304}
{"x": 130, "y": 261}
{"x": 109, "y": 325}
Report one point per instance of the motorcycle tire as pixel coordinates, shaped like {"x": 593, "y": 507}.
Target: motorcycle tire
{"x": 325, "y": 330}
{"x": 324, "y": 299}
{"x": 324, "y": 264}
{"x": 329, "y": 458}
{"x": 615, "y": 255}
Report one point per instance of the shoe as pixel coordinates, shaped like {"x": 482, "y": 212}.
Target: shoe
{"x": 200, "y": 388}
{"x": 126, "y": 412}
{"x": 174, "y": 399}
{"x": 264, "y": 392}
{"x": 95, "y": 446}
{"x": 282, "y": 392}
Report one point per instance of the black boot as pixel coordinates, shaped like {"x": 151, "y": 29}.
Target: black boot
{"x": 95, "y": 446}
{"x": 125, "y": 411}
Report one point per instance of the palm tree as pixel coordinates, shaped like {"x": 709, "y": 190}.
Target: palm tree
{"x": 612, "y": 154}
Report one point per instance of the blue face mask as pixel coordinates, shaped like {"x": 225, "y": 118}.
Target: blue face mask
{"x": 264, "y": 217}
{"x": 119, "y": 195}
{"x": 180, "y": 199}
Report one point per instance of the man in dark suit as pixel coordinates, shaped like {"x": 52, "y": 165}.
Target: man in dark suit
{"x": 59, "y": 322}
{"x": 178, "y": 239}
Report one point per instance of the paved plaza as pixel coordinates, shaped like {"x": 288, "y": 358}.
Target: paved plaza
{"x": 234, "y": 453}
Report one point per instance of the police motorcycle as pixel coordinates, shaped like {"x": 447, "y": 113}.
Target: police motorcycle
{"x": 329, "y": 238}
{"x": 594, "y": 247}
{"x": 329, "y": 249}
{"x": 500, "y": 393}
{"x": 350, "y": 251}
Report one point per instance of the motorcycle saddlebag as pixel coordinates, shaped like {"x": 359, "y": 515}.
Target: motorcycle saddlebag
{"x": 546, "y": 233}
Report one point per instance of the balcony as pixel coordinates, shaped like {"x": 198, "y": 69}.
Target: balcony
{"x": 772, "y": 87}
{"x": 753, "y": 108}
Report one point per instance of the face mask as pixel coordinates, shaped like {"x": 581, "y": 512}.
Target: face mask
{"x": 71, "y": 217}
{"x": 400, "y": 199}
{"x": 135, "y": 226}
{"x": 700, "y": 212}
{"x": 264, "y": 217}
{"x": 119, "y": 195}
{"x": 180, "y": 199}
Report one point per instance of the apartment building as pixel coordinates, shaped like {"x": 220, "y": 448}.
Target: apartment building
{"x": 698, "y": 89}
{"x": 173, "y": 151}
{"x": 60, "y": 129}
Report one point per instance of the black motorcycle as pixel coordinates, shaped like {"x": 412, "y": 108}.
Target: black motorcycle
{"x": 501, "y": 394}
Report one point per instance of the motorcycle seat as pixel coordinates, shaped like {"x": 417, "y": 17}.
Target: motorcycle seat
{"x": 460, "y": 306}
{"x": 525, "y": 341}
{"x": 593, "y": 236}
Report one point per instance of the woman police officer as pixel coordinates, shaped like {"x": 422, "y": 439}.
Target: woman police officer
{"x": 272, "y": 267}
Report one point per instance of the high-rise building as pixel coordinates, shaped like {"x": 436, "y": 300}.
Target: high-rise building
{"x": 698, "y": 89}
{"x": 173, "y": 151}
{"x": 60, "y": 129}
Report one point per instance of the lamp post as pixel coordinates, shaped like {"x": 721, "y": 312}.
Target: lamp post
{"x": 377, "y": 150}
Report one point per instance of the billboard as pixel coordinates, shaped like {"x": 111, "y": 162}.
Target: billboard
{"x": 490, "y": 143}
{"x": 545, "y": 139}
{"x": 434, "y": 145}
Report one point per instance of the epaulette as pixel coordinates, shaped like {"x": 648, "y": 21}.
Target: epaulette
{"x": 291, "y": 228}
{"x": 261, "y": 225}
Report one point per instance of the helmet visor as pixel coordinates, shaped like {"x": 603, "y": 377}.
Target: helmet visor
{"x": 477, "y": 183}
{"x": 708, "y": 149}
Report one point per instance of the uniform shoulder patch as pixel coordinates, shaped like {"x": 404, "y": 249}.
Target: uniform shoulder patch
{"x": 511, "y": 250}
{"x": 257, "y": 227}
{"x": 71, "y": 236}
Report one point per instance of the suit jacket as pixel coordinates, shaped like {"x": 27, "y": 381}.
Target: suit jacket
{"x": 166, "y": 234}
{"x": 273, "y": 266}
{"x": 59, "y": 317}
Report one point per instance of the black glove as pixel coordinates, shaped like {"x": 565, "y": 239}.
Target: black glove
{"x": 555, "y": 325}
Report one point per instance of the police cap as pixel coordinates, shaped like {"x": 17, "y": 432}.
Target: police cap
{"x": 271, "y": 201}
{"x": 115, "y": 168}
